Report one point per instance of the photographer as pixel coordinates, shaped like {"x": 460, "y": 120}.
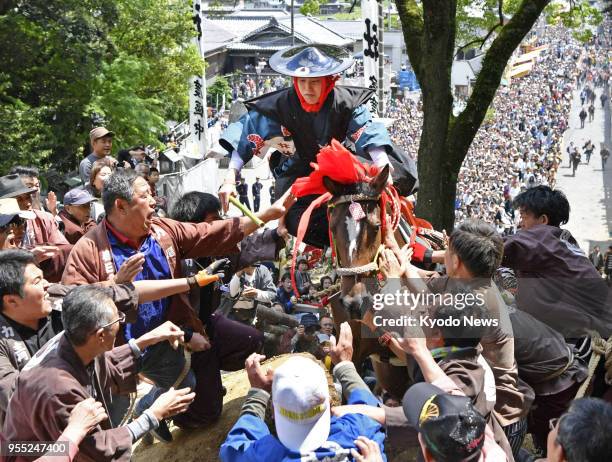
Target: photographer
{"x": 306, "y": 339}
{"x": 247, "y": 288}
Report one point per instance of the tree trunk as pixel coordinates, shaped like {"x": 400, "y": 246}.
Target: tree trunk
{"x": 434, "y": 72}
{"x": 445, "y": 139}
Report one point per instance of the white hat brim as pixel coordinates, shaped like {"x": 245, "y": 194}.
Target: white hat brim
{"x": 303, "y": 438}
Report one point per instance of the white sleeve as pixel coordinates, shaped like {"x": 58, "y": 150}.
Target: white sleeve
{"x": 236, "y": 161}
{"x": 234, "y": 286}
{"x": 378, "y": 155}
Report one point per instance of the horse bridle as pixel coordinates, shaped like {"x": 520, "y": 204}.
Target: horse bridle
{"x": 354, "y": 270}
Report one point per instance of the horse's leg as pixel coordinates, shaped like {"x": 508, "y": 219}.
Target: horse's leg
{"x": 339, "y": 312}
{"x": 393, "y": 379}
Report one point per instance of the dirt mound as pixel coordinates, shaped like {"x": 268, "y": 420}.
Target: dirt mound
{"x": 203, "y": 444}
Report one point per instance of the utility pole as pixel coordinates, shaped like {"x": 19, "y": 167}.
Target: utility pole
{"x": 292, "y": 25}
{"x": 381, "y": 60}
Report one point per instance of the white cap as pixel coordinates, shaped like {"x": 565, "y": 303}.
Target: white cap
{"x": 300, "y": 396}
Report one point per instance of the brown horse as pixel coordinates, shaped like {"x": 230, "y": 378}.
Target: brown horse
{"x": 357, "y": 238}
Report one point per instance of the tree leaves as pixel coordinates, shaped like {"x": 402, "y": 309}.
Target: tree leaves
{"x": 71, "y": 61}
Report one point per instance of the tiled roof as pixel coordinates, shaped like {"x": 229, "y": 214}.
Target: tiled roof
{"x": 347, "y": 28}
{"x": 307, "y": 30}
{"x": 215, "y": 36}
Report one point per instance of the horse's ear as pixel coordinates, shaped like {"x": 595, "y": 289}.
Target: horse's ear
{"x": 379, "y": 183}
{"x": 332, "y": 186}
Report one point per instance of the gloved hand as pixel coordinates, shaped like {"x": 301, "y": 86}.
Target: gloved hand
{"x": 218, "y": 267}
{"x": 421, "y": 254}
{"x": 213, "y": 273}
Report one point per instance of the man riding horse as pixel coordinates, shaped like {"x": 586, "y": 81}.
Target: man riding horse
{"x": 299, "y": 120}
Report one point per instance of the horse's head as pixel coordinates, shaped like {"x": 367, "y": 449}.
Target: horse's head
{"x": 357, "y": 238}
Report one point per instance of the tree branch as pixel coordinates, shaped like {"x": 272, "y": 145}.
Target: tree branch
{"x": 482, "y": 41}
{"x": 500, "y": 23}
{"x": 412, "y": 26}
{"x": 464, "y": 127}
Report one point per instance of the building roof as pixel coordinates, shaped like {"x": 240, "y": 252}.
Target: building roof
{"x": 215, "y": 37}
{"x": 272, "y": 32}
{"x": 262, "y": 13}
{"x": 347, "y": 28}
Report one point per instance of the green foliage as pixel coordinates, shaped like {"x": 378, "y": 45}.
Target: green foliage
{"x": 582, "y": 18}
{"x": 311, "y": 7}
{"x": 355, "y": 14}
{"x": 66, "y": 61}
{"x": 216, "y": 91}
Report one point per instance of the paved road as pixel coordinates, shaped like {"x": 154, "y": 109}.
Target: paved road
{"x": 590, "y": 191}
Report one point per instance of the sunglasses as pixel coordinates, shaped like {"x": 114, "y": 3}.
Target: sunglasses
{"x": 120, "y": 320}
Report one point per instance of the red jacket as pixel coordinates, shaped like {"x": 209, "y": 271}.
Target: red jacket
{"x": 91, "y": 259}
{"x": 72, "y": 229}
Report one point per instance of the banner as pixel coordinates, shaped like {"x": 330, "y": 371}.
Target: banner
{"x": 197, "y": 95}
{"x": 371, "y": 49}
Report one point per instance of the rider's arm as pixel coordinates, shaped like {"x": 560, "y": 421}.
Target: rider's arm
{"x": 370, "y": 137}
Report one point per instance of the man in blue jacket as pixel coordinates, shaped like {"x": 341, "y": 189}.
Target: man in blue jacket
{"x": 306, "y": 428}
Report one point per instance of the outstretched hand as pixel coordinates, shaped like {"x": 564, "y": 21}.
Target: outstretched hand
{"x": 257, "y": 377}
{"x": 279, "y": 208}
{"x": 342, "y": 350}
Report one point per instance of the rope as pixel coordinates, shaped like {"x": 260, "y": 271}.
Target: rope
{"x": 329, "y": 291}
{"x": 130, "y": 411}
{"x": 601, "y": 348}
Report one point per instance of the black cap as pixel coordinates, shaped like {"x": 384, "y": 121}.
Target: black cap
{"x": 450, "y": 425}
{"x": 308, "y": 320}
{"x": 13, "y": 186}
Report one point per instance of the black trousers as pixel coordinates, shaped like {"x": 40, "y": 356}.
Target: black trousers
{"x": 317, "y": 233}
{"x": 256, "y": 200}
{"x": 245, "y": 201}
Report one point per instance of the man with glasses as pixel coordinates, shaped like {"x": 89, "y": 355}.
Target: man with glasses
{"x": 30, "y": 316}
{"x": 81, "y": 363}
{"x": 42, "y": 235}
{"x": 582, "y": 434}
{"x": 76, "y": 214}
{"x": 11, "y": 218}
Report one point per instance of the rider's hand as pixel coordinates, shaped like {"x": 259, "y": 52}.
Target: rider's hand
{"x": 228, "y": 188}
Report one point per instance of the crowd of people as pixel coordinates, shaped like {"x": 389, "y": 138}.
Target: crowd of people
{"x": 247, "y": 87}
{"x": 110, "y": 287}
{"x": 520, "y": 145}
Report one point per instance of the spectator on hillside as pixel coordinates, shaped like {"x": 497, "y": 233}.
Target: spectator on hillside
{"x": 42, "y": 235}
{"x": 76, "y": 214}
{"x": 101, "y": 141}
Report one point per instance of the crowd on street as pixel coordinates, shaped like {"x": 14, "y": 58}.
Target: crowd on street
{"x": 114, "y": 289}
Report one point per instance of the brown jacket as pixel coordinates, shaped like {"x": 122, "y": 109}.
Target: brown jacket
{"x": 72, "y": 229}
{"x": 513, "y": 398}
{"x": 54, "y": 381}
{"x": 46, "y": 232}
{"x": 91, "y": 259}
{"x": 14, "y": 352}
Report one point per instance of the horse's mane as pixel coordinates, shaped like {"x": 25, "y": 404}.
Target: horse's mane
{"x": 340, "y": 165}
